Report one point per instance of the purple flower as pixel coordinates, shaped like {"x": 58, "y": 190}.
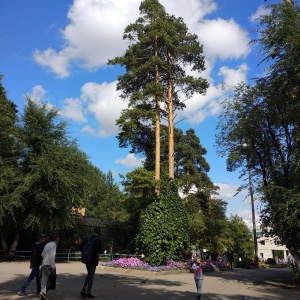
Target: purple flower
{"x": 135, "y": 263}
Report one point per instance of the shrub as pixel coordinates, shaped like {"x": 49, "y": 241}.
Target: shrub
{"x": 271, "y": 261}
{"x": 163, "y": 232}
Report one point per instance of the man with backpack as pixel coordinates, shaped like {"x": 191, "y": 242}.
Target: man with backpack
{"x": 90, "y": 247}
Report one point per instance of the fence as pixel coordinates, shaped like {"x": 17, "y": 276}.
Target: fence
{"x": 69, "y": 256}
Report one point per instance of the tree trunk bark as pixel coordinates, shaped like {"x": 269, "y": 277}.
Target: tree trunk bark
{"x": 170, "y": 123}
{"x": 296, "y": 265}
{"x": 187, "y": 186}
{"x": 14, "y": 244}
{"x": 4, "y": 246}
{"x": 157, "y": 128}
{"x": 9, "y": 252}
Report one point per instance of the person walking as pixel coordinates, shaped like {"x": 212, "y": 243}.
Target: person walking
{"x": 230, "y": 259}
{"x": 95, "y": 240}
{"x": 197, "y": 268}
{"x": 48, "y": 265}
{"x": 35, "y": 262}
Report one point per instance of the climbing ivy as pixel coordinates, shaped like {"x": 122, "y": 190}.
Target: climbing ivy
{"x": 163, "y": 231}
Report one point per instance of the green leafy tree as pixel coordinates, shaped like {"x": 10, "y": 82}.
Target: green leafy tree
{"x": 53, "y": 177}
{"x": 10, "y": 175}
{"x": 163, "y": 229}
{"x": 110, "y": 202}
{"x": 191, "y": 167}
{"x": 139, "y": 193}
{"x": 8, "y": 119}
{"x": 265, "y": 117}
{"x": 241, "y": 238}
{"x": 54, "y": 169}
{"x": 196, "y": 220}
{"x": 215, "y": 236}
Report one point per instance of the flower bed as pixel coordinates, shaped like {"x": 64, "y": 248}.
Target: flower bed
{"x": 136, "y": 264}
{"x": 215, "y": 265}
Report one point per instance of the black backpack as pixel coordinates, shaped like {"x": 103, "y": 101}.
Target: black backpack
{"x": 87, "y": 252}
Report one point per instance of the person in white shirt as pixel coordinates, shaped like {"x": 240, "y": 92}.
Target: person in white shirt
{"x": 48, "y": 265}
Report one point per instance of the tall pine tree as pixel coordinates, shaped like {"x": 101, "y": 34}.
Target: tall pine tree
{"x": 155, "y": 79}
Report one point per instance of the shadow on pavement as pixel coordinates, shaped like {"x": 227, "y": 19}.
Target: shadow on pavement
{"x": 114, "y": 286}
{"x": 265, "y": 277}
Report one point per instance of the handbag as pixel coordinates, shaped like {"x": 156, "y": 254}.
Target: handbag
{"x": 51, "y": 284}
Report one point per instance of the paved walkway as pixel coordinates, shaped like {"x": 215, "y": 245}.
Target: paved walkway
{"x": 259, "y": 284}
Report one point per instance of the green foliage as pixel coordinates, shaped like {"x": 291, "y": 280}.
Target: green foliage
{"x": 271, "y": 261}
{"x": 8, "y": 118}
{"x": 163, "y": 229}
{"x": 215, "y": 237}
{"x": 139, "y": 193}
{"x": 54, "y": 171}
{"x": 240, "y": 237}
{"x": 265, "y": 118}
{"x": 48, "y": 177}
{"x": 107, "y": 201}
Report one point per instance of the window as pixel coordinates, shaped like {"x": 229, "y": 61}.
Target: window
{"x": 262, "y": 242}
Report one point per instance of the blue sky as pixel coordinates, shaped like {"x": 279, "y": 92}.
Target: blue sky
{"x": 57, "y": 51}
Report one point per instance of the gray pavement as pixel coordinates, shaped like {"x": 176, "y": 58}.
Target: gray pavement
{"x": 115, "y": 284}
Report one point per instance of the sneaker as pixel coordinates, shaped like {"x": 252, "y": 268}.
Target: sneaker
{"x": 21, "y": 293}
{"x": 89, "y": 296}
{"x": 82, "y": 293}
{"x": 43, "y": 296}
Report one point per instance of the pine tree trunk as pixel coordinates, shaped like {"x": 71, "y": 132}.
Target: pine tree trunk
{"x": 187, "y": 187}
{"x": 170, "y": 123}
{"x": 157, "y": 129}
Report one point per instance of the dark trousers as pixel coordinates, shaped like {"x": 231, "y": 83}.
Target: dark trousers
{"x": 88, "y": 282}
{"x": 34, "y": 273}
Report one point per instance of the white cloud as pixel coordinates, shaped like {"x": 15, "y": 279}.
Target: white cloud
{"x": 73, "y": 110}
{"x": 58, "y": 63}
{"x": 103, "y": 103}
{"x": 88, "y": 129}
{"x": 99, "y": 100}
{"x": 227, "y": 191}
{"x": 223, "y": 39}
{"x": 94, "y": 35}
{"x": 130, "y": 161}
{"x": 262, "y": 10}
{"x": 190, "y": 10}
{"x": 37, "y": 93}
{"x": 246, "y": 215}
{"x": 233, "y": 77}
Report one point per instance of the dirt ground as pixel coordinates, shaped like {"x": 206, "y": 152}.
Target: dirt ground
{"x": 115, "y": 284}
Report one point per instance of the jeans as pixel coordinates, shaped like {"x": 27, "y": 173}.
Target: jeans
{"x": 199, "y": 285}
{"x": 88, "y": 282}
{"x": 34, "y": 273}
{"x": 46, "y": 270}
